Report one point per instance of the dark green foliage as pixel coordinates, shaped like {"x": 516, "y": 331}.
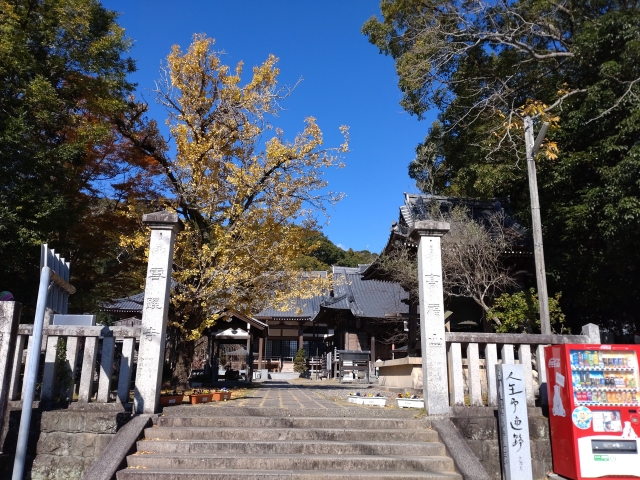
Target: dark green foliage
{"x": 590, "y": 194}
{"x": 520, "y": 313}
{"x": 300, "y": 362}
{"x": 62, "y": 81}
{"x": 324, "y": 253}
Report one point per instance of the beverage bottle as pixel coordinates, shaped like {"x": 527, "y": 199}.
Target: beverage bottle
{"x": 580, "y": 359}
{"x": 596, "y": 362}
{"x": 589, "y": 396}
{"x": 618, "y": 397}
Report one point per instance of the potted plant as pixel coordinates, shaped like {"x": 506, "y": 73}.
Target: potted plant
{"x": 406, "y": 400}
{"x": 375, "y": 400}
{"x": 355, "y": 398}
{"x": 221, "y": 395}
{"x": 367, "y": 399}
{"x": 200, "y": 396}
{"x": 171, "y": 398}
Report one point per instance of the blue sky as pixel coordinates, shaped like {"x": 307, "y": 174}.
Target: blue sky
{"x": 345, "y": 82}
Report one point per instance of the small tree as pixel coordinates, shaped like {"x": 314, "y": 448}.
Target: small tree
{"x": 300, "y": 362}
{"x": 241, "y": 189}
{"x": 520, "y": 313}
{"x": 472, "y": 260}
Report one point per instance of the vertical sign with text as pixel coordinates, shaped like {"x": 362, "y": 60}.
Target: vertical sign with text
{"x": 515, "y": 445}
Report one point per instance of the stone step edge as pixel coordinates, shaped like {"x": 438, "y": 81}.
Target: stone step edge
{"x": 301, "y": 442}
{"x": 245, "y": 429}
{"x": 286, "y": 456}
{"x": 370, "y": 474}
{"x": 300, "y": 417}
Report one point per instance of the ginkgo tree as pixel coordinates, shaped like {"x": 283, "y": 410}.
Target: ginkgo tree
{"x": 243, "y": 192}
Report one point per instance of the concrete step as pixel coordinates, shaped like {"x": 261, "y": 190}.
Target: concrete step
{"x": 231, "y": 409}
{"x": 305, "y": 447}
{"x": 290, "y": 422}
{"x": 287, "y": 434}
{"x": 290, "y": 462}
{"x": 159, "y": 474}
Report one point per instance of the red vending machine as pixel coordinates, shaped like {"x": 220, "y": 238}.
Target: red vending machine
{"x": 594, "y": 410}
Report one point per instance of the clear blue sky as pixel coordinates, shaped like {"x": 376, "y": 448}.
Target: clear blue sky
{"x": 345, "y": 81}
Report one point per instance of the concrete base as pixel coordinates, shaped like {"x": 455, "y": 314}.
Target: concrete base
{"x": 283, "y": 375}
{"x": 403, "y": 373}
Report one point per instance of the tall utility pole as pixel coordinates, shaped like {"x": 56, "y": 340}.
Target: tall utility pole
{"x": 538, "y": 251}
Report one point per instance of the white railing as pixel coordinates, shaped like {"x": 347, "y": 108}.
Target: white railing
{"x": 472, "y": 379}
{"x": 88, "y": 340}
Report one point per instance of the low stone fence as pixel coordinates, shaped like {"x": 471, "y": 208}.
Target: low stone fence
{"x": 470, "y": 375}
{"x": 75, "y": 349}
{"x": 471, "y": 359}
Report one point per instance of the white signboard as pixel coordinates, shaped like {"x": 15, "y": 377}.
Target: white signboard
{"x": 515, "y": 445}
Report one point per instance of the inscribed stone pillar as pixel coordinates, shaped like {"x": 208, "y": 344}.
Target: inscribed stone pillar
{"x": 164, "y": 227}
{"x": 9, "y": 320}
{"x": 427, "y": 234}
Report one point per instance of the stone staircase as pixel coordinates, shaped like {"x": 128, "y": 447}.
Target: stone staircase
{"x": 275, "y": 443}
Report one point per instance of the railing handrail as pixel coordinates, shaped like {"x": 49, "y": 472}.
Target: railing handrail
{"x": 83, "y": 331}
{"x": 514, "y": 338}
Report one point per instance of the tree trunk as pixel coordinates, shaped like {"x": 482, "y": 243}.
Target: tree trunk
{"x": 180, "y": 378}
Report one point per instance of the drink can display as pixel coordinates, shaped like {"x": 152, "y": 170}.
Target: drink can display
{"x": 596, "y": 361}
{"x": 580, "y": 359}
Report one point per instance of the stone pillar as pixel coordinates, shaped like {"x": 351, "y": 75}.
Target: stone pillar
{"x": 164, "y": 227}
{"x": 9, "y": 320}
{"x": 427, "y": 234}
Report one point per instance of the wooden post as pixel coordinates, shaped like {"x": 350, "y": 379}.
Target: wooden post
{"x": 538, "y": 251}
{"x": 413, "y": 330}
{"x": 260, "y": 347}
{"x": 300, "y": 339}
{"x": 372, "y": 348}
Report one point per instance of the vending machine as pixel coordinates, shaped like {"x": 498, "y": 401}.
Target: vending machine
{"x": 594, "y": 410}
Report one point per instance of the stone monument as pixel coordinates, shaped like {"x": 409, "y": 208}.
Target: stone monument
{"x": 164, "y": 227}
{"x": 515, "y": 445}
{"x": 427, "y": 233}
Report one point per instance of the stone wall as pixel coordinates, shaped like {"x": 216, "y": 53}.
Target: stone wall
{"x": 63, "y": 444}
{"x": 479, "y": 427}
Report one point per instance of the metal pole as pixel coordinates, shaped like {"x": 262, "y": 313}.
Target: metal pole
{"x": 31, "y": 374}
{"x": 538, "y": 251}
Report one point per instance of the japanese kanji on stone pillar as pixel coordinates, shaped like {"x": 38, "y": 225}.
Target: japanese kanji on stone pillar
{"x": 164, "y": 227}
{"x": 427, "y": 233}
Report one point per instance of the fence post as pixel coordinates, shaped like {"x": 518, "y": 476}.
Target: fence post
{"x": 164, "y": 227}
{"x": 592, "y": 332}
{"x": 9, "y": 319}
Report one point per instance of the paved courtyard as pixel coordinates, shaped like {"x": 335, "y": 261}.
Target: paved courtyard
{"x": 300, "y": 395}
